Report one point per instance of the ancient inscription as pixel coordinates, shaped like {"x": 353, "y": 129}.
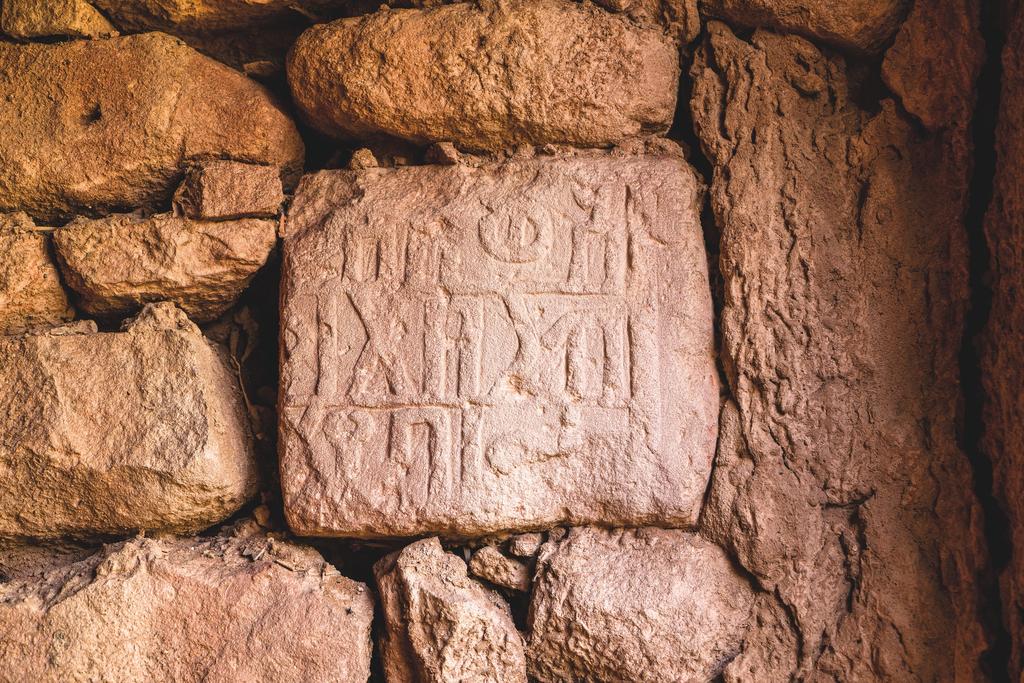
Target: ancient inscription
{"x": 473, "y": 350}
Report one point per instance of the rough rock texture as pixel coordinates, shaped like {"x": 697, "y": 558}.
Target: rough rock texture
{"x": 93, "y": 126}
{"x": 487, "y": 77}
{"x": 1003, "y": 342}
{"x": 490, "y": 565}
{"x": 859, "y": 25}
{"x": 30, "y": 291}
{"x": 108, "y": 433}
{"x": 241, "y": 607}
{"x": 222, "y": 190}
{"x": 440, "y": 625}
{"x": 468, "y": 351}
{"x": 119, "y": 263}
{"x": 680, "y": 18}
{"x": 197, "y": 15}
{"x": 525, "y": 545}
{"x": 50, "y": 18}
{"x": 648, "y": 605}
{"x": 838, "y": 482}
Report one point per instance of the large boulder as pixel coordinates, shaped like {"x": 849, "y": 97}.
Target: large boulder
{"x": 440, "y": 625}
{"x": 475, "y": 350}
{"x": 640, "y": 606}
{"x": 864, "y": 26}
{"x": 31, "y": 294}
{"x": 839, "y": 484}
{"x": 118, "y": 264}
{"x": 95, "y": 126}
{"x": 487, "y": 76}
{"x": 110, "y": 433}
{"x": 237, "y": 607}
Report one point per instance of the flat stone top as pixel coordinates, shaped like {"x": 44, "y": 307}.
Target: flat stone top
{"x": 501, "y": 348}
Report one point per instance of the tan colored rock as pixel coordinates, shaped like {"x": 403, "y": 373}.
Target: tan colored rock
{"x": 525, "y": 545}
{"x": 224, "y": 190}
{"x": 28, "y": 19}
{"x": 859, "y": 25}
{"x": 838, "y": 484}
{"x": 1003, "y": 341}
{"x": 470, "y": 351}
{"x": 95, "y": 126}
{"x": 679, "y": 17}
{"x": 490, "y": 565}
{"x": 109, "y": 433}
{"x": 190, "y": 610}
{"x": 440, "y": 625}
{"x": 648, "y": 605}
{"x": 118, "y": 264}
{"x": 31, "y": 294}
{"x": 487, "y": 77}
{"x": 194, "y": 16}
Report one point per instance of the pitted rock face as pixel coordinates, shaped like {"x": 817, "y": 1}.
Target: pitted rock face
{"x": 649, "y": 605}
{"x": 52, "y": 18}
{"x": 474, "y": 350}
{"x": 119, "y": 263}
{"x": 222, "y": 190}
{"x": 440, "y": 625}
{"x": 109, "y": 433}
{"x": 218, "y": 609}
{"x": 526, "y": 71}
{"x": 860, "y": 25}
{"x": 30, "y": 291}
{"x": 94, "y": 126}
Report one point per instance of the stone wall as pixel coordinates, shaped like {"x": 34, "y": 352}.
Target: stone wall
{"x": 529, "y": 340}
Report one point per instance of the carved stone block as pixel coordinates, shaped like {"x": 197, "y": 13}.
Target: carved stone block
{"x": 502, "y": 348}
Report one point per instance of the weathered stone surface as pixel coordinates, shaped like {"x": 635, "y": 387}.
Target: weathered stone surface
{"x": 244, "y": 607}
{"x": 861, "y": 25}
{"x": 525, "y": 545}
{"x": 440, "y": 625}
{"x": 102, "y": 125}
{"x": 468, "y": 351}
{"x": 490, "y": 565}
{"x": 118, "y": 264}
{"x": 1003, "y": 342}
{"x": 195, "y": 15}
{"x": 679, "y": 17}
{"x": 52, "y": 18}
{"x": 112, "y": 433}
{"x": 649, "y": 605}
{"x": 30, "y": 291}
{"x": 222, "y": 190}
{"x": 487, "y": 77}
{"x": 838, "y": 482}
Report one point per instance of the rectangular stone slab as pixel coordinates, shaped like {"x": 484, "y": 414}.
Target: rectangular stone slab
{"x": 469, "y": 350}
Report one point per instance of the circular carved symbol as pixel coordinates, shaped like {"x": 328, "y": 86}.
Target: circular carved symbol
{"x": 516, "y": 236}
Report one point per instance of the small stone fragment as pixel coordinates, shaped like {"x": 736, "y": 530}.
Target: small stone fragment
{"x": 859, "y": 25}
{"x": 440, "y": 625}
{"x": 109, "y": 433}
{"x": 28, "y": 19}
{"x": 361, "y": 159}
{"x": 490, "y": 565}
{"x": 223, "y": 190}
{"x": 525, "y": 545}
{"x": 97, "y": 126}
{"x": 189, "y": 610}
{"x": 31, "y": 294}
{"x": 118, "y": 264}
{"x": 488, "y": 76}
{"x": 443, "y": 154}
{"x": 648, "y": 605}
{"x": 474, "y": 351}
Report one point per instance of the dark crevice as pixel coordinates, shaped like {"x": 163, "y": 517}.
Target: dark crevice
{"x": 995, "y": 661}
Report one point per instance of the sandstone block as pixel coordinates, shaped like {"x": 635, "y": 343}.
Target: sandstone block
{"x": 440, "y": 625}
{"x": 490, "y": 565}
{"x": 468, "y": 351}
{"x": 118, "y": 264}
{"x": 222, "y": 190}
{"x": 860, "y": 25}
{"x": 98, "y": 126}
{"x": 231, "y": 608}
{"x": 31, "y": 294}
{"x": 839, "y": 485}
{"x": 28, "y": 19}
{"x": 649, "y": 606}
{"x": 487, "y": 77}
{"x": 109, "y": 433}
